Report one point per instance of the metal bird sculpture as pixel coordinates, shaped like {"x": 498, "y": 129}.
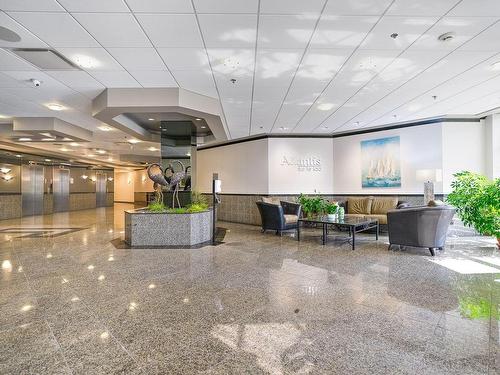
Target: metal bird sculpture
{"x": 174, "y": 181}
{"x": 155, "y": 173}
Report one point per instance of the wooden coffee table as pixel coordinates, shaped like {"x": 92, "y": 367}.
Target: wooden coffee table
{"x": 351, "y": 223}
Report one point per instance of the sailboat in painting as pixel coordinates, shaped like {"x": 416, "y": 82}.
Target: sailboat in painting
{"x": 380, "y": 163}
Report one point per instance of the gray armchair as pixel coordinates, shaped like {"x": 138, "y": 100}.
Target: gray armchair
{"x": 420, "y": 226}
{"x": 279, "y": 217}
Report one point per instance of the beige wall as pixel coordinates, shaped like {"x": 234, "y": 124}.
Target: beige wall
{"x": 124, "y": 186}
{"x": 14, "y": 185}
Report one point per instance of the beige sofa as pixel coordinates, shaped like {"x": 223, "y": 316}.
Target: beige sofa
{"x": 371, "y": 207}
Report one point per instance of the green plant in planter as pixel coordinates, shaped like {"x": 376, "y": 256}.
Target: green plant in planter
{"x": 198, "y": 198}
{"x": 331, "y": 208}
{"x": 156, "y": 206}
{"x": 197, "y": 207}
{"x": 477, "y": 200}
{"x": 311, "y": 205}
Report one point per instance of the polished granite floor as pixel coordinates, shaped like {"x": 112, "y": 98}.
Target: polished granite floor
{"x": 73, "y": 302}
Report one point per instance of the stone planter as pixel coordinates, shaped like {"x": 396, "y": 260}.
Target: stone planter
{"x": 156, "y": 229}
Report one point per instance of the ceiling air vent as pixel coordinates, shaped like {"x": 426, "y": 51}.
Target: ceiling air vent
{"x": 45, "y": 59}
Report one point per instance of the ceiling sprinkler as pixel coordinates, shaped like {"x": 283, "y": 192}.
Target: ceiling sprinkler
{"x": 233, "y": 80}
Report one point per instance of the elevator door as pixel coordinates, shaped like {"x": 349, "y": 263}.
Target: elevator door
{"x": 60, "y": 190}
{"x": 32, "y": 189}
{"x": 100, "y": 190}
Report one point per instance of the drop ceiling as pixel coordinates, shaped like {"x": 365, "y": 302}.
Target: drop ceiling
{"x": 277, "y": 66}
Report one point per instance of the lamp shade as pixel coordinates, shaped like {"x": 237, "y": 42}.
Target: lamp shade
{"x": 429, "y": 175}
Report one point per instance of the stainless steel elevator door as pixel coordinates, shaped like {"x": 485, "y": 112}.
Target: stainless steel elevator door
{"x": 100, "y": 190}
{"x": 60, "y": 190}
{"x": 32, "y": 189}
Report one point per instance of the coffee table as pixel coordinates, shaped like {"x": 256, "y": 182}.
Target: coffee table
{"x": 352, "y": 223}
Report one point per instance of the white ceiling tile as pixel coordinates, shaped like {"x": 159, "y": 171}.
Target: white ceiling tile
{"x": 320, "y": 65}
{"x": 241, "y": 91}
{"x": 171, "y": 30}
{"x": 199, "y": 81}
{"x": 114, "y": 29}
{"x": 472, "y": 8}
{"x": 56, "y": 29}
{"x": 464, "y": 28}
{"x": 226, "y": 6}
{"x": 95, "y": 59}
{"x": 485, "y": 41}
{"x": 285, "y": 31}
{"x": 30, "y": 5}
{"x": 420, "y": 7}
{"x": 309, "y": 7}
{"x": 94, "y": 5}
{"x": 47, "y": 81}
{"x": 154, "y": 78}
{"x": 9, "y": 61}
{"x": 28, "y": 40}
{"x": 408, "y": 29}
{"x": 342, "y": 31}
{"x": 357, "y": 8}
{"x": 138, "y": 58}
{"x": 228, "y": 31}
{"x": 184, "y": 58}
{"x": 9, "y": 82}
{"x": 273, "y": 66}
{"x": 233, "y": 63}
{"x": 75, "y": 78}
{"x": 161, "y": 6}
{"x": 115, "y": 79}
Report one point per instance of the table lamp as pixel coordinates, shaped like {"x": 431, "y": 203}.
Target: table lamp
{"x": 428, "y": 177}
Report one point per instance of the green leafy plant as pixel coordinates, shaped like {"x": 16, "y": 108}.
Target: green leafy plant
{"x": 477, "y": 200}
{"x": 156, "y": 206}
{"x": 331, "y": 208}
{"x": 198, "y": 198}
{"x": 177, "y": 210}
{"x": 197, "y": 207}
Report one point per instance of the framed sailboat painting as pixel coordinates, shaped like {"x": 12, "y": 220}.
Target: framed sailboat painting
{"x": 380, "y": 163}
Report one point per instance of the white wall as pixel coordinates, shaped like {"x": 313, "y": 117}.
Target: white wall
{"x": 463, "y": 149}
{"x": 142, "y": 183}
{"x": 420, "y": 148}
{"x": 300, "y": 165}
{"x": 257, "y": 167}
{"x": 242, "y": 167}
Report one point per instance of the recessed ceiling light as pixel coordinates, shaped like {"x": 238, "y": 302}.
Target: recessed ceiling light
{"x": 105, "y": 128}
{"x": 67, "y": 139}
{"x": 495, "y": 65}
{"x": 188, "y": 154}
{"x": 283, "y": 128}
{"x": 48, "y": 139}
{"x": 24, "y": 139}
{"x": 64, "y": 149}
{"x": 48, "y": 160}
{"x": 151, "y": 119}
{"x": 198, "y": 119}
{"x": 133, "y": 140}
{"x": 55, "y": 107}
{"x": 19, "y": 156}
{"x": 100, "y": 151}
{"x": 152, "y": 149}
{"x": 203, "y": 127}
{"x": 74, "y": 144}
{"x": 90, "y": 155}
{"x": 325, "y": 106}
{"x": 85, "y": 62}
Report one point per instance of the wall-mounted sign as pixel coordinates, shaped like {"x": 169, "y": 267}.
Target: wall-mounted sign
{"x": 307, "y": 164}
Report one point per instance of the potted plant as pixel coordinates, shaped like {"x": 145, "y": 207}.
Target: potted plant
{"x": 477, "y": 200}
{"x": 311, "y": 205}
{"x": 331, "y": 209}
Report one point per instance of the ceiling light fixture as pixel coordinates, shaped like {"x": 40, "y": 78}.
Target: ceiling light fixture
{"x": 64, "y": 149}
{"x": 85, "y": 62}
{"x": 198, "y": 119}
{"x": 325, "y": 106}
{"x": 90, "y": 155}
{"x": 203, "y": 127}
{"x": 48, "y": 139}
{"x": 7, "y": 177}
{"x": 24, "y": 139}
{"x": 66, "y": 139}
{"x": 151, "y": 119}
{"x": 188, "y": 154}
{"x": 74, "y": 144}
{"x": 133, "y": 141}
{"x": 152, "y": 149}
{"x": 495, "y": 65}
{"x": 105, "y": 128}
{"x": 48, "y": 160}
{"x": 19, "y": 156}
{"x": 100, "y": 151}
{"x": 5, "y": 170}
{"x": 55, "y": 107}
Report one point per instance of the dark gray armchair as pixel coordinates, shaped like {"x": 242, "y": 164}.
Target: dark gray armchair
{"x": 420, "y": 226}
{"x": 279, "y": 217}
